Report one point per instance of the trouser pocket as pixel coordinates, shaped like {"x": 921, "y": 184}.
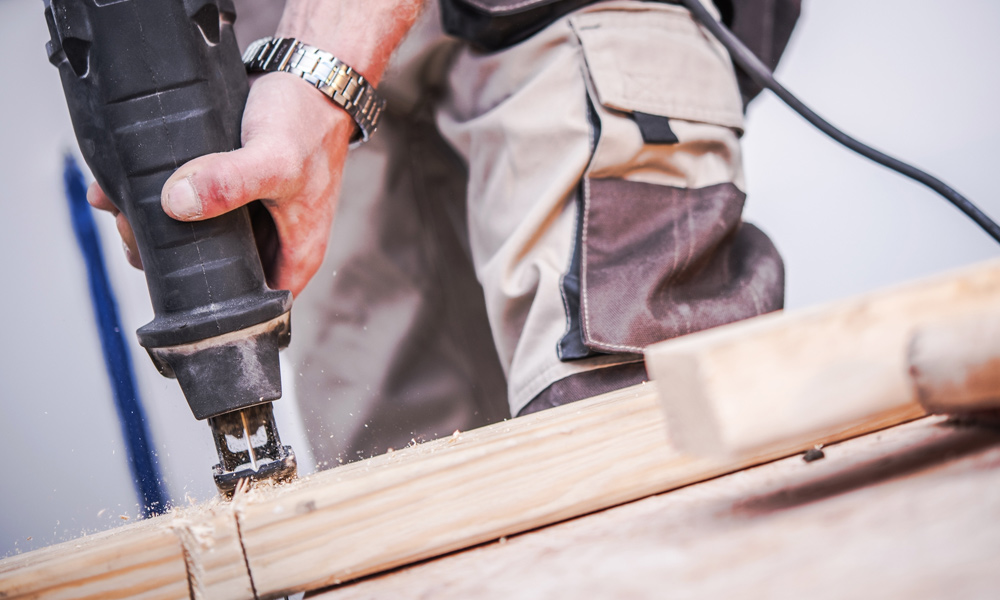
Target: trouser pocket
{"x": 661, "y": 249}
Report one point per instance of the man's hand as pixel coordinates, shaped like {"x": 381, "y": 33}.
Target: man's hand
{"x": 294, "y": 142}
{"x": 294, "y": 146}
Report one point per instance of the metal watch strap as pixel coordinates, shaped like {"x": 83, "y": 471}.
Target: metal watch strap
{"x": 337, "y": 80}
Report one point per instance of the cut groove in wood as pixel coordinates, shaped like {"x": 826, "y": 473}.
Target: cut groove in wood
{"x": 213, "y": 553}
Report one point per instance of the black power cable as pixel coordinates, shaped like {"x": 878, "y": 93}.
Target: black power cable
{"x": 759, "y": 72}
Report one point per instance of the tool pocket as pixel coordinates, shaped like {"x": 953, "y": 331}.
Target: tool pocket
{"x": 661, "y": 249}
{"x": 654, "y": 58}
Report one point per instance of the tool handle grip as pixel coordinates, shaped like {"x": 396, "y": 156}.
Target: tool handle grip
{"x": 151, "y": 85}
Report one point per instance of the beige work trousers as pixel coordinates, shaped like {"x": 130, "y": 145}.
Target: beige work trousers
{"x": 517, "y": 220}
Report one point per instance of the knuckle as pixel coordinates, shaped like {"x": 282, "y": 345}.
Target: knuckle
{"x": 223, "y": 183}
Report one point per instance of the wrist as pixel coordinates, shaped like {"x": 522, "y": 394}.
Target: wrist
{"x": 362, "y": 33}
{"x": 288, "y": 95}
{"x": 328, "y": 74}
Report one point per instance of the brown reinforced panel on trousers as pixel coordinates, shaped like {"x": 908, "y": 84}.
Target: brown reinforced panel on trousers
{"x": 661, "y": 261}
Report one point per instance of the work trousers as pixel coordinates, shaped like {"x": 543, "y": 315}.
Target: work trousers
{"x": 524, "y": 219}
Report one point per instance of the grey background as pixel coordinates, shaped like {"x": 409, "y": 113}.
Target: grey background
{"x": 915, "y": 78}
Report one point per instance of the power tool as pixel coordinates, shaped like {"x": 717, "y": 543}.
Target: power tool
{"x": 150, "y": 85}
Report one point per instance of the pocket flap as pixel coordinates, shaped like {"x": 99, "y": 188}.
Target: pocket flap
{"x": 657, "y": 60}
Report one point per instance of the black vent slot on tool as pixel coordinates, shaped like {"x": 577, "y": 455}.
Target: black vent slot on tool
{"x": 75, "y": 50}
{"x": 78, "y": 54}
{"x": 208, "y": 21}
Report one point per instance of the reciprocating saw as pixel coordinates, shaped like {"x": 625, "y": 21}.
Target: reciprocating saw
{"x": 150, "y": 85}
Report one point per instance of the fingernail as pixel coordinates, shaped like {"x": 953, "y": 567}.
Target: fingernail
{"x": 183, "y": 201}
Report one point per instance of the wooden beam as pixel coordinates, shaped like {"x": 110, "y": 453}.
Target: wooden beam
{"x": 433, "y": 498}
{"x": 795, "y": 380}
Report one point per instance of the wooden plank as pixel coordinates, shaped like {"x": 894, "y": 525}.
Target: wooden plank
{"x": 142, "y": 560}
{"x": 795, "y": 380}
{"x": 450, "y": 494}
{"x": 874, "y": 519}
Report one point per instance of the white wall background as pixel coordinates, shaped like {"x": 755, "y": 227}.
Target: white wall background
{"x": 918, "y": 78}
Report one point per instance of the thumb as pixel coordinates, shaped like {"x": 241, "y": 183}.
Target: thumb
{"x": 211, "y": 185}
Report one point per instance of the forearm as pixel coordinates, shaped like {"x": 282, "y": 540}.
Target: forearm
{"x": 362, "y": 33}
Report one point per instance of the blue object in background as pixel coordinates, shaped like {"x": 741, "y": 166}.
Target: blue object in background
{"x": 145, "y": 472}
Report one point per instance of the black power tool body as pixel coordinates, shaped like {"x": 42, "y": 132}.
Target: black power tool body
{"x": 150, "y": 85}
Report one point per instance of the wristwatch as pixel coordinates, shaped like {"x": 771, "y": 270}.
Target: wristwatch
{"x": 332, "y": 76}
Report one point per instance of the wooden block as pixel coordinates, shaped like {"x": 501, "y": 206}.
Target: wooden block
{"x": 794, "y": 380}
{"x": 142, "y": 560}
